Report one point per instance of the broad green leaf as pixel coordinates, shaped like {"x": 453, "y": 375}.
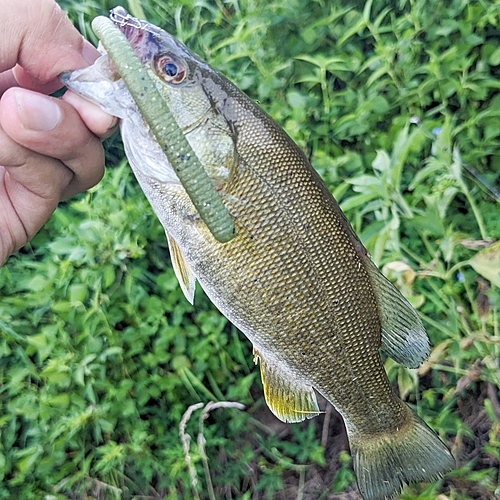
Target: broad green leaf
{"x": 487, "y": 263}
{"x": 382, "y": 162}
{"x": 494, "y": 59}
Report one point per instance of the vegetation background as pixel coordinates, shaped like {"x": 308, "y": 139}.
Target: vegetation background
{"x": 397, "y": 105}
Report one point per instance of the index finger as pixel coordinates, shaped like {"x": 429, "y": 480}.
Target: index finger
{"x": 39, "y": 37}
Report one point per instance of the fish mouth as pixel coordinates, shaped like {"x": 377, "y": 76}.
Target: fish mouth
{"x": 140, "y": 34}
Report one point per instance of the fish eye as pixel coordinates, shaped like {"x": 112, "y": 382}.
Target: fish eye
{"x": 171, "y": 68}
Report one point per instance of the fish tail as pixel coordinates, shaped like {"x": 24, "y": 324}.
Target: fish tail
{"x": 385, "y": 462}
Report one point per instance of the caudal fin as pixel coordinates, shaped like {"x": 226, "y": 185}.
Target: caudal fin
{"x": 384, "y": 463}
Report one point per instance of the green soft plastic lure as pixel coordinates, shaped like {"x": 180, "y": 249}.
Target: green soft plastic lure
{"x": 167, "y": 132}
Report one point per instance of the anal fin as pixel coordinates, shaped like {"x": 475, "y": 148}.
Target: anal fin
{"x": 289, "y": 399}
{"x": 182, "y": 269}
{"x": 403, "y": 335}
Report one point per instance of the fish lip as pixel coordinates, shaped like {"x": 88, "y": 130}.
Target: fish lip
{"x": 130, "y": 26}
{"x": 123, "y": 19}
{"x": 140, "y": 34}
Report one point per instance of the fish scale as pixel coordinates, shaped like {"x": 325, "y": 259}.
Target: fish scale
{"x": 321, "y": 244}
{"x": 295, "y": 279}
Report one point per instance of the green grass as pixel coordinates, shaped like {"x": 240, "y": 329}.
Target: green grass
{"x": 100, "y": 354}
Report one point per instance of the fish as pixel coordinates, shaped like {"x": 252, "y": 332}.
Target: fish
{"x": 296, "y": 279}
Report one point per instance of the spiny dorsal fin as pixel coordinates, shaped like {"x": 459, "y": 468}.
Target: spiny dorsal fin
{"x": 403, "y": 334}
{"x": 182, "y": 269}
{"x": 289, "y": 399}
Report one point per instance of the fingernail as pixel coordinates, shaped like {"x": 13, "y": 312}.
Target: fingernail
{"x": 36, "y": 111}
{"x": 89, "y": 52}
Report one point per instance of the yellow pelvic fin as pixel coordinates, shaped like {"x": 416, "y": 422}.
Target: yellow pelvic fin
{"x": 289, "y": 399}
{"x": 403, "y": 334}
{"x": 182, "y": 269}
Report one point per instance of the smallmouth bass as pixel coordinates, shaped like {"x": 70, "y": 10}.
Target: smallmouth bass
{"x": 296, "y": 280}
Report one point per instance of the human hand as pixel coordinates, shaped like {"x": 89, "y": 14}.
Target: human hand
{"x": 50, "y": 149}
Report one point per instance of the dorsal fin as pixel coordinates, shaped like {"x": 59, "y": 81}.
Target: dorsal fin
{"x": 289, "y": 399}
{"x": 403, "y": 335}
{"x": 182, "y": 269}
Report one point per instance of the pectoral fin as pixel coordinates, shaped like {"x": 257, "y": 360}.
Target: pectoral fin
{"x": 403, "y": 334}
{"x": 182, "y": 269}
{"x": 289, "y": 399}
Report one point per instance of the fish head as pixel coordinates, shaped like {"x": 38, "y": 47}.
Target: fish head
{"x": 193, "y": 91}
